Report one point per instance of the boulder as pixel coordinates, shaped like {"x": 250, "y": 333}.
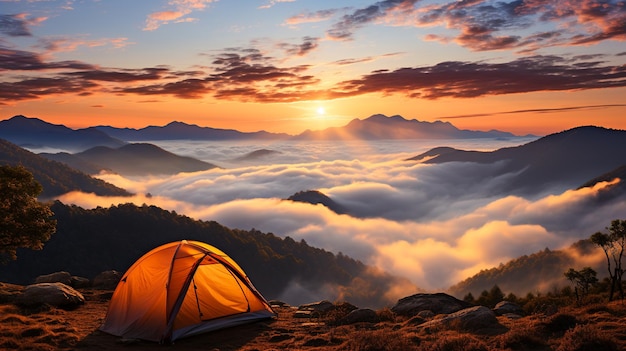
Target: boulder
{"x": 107, "y": 280}
{"x": 507, "y": 307}
{"x": 54, "y": 294}
{"x": 360, "y": 315}
{"x": 56, "y": 277}
{"x": 320, "y": 306}
{"x": 79, "y": 282}
{"x": 438, "y": 303}
{"x": 469, "y": 319}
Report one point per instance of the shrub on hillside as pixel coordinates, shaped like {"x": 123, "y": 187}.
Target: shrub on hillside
{"x": 457, "y": 342}
{"x": 587, "y": 337}
{"x": 560, "y": 323}
{"x": 520, "y": 337}
{"x": 380, "y": 340}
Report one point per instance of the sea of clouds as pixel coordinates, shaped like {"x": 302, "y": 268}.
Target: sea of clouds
{"x": 433, "y": 224}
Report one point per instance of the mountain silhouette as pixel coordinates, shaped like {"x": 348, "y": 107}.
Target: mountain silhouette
{"x": 256, "y": 155}
{"x": 381, "y": 127}
{"x": 183, "y": 131}
{"x": 137, "y": 159}
{"x": 317, "y": 197}
{"x": 35, "y": 133}
{"x": 563, "y": 160}
{"x": 55, "y": 177}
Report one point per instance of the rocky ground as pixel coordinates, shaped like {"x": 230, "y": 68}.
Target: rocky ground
{"x": 325, "y": 327}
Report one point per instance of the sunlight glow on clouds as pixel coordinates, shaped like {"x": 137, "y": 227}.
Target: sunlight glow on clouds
{"x": 182, "y": 8}
{"x": 433, "y": 224}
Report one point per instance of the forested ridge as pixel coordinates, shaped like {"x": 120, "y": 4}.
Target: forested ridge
{"x": 89, "y": 241}
{"x": 55, "y": 177}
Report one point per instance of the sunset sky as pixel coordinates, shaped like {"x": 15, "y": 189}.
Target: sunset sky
{"x": 531, "y": 66}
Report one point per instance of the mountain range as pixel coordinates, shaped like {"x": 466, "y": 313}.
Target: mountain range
{"x": 564, "y": 160}
{"x": 33, "y": 133}
{"x": 381, "y": 127}
{"x": 570, "y": 159}
{"x": 56, "y": 178}
{"x": 130, "y": 159}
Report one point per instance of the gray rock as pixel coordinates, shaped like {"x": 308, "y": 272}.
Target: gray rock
{"x": 107, "y": 280}
{"x": 54, "y": 294}
{"x": 504, "y": 307}
{"x": 361, "y": 315}
{"x": 79, "y": 282}
{"x": 438, "y": 303}
{"x": 303, "y": 314}
{"x": 320, "y": 306}
{"x": 468, "y": 319}
{"x": 56, "y": 277}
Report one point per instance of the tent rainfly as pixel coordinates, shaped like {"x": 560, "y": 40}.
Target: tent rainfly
{"x": 182, "y": 289}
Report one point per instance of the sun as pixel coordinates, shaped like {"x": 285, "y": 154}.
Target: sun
{"x": 321, "y": 111}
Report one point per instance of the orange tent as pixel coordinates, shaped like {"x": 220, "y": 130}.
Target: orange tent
{"x": 181, "y": 289}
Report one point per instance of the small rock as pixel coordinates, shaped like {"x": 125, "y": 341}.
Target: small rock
{"x": 56, "y": 277}
{"x": 472, "y": 318}
{"x": 54, "y": 294}
{"x": 360, "y": 315}
{"x": 320, "y": 306}
{"x": 302, "y": 314}
{"x": 79, "y": 282}
{"x": 504, "y": 307}
{"x": 438, "y": 303}
{"x": 107, "y": 279}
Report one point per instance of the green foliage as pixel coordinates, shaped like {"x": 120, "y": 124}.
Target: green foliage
{"x": 25, "y": 222}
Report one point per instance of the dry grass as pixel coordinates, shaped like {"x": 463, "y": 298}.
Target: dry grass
{"x": 600, "y": 326}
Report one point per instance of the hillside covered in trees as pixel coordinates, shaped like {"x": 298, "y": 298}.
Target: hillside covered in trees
{"x": 88, "y": 242}
{"x": 55, "y": 177}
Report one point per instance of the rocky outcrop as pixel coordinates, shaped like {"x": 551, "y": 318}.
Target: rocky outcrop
{"x": 315, "y": 309}
{"x": 56, "y": 277}
{"x": 53, "y": 294}
{"x": 65, "y": 278}
{"x": 507, "y": 307}
{"x": 438, "y": 303}
{"x": 469, "y": 319}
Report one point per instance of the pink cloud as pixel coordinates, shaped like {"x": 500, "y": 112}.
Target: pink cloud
{"x": 181, "y": 8}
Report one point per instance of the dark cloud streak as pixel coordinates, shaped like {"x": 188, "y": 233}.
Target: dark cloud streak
{"x": 14, "y": 26}
{"x": 344, "y": 29}
{"x": 471, "y": 79}
{"x": 536, "y": 110}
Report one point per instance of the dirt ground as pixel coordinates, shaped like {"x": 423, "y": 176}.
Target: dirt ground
{"x": 58, "y": 329}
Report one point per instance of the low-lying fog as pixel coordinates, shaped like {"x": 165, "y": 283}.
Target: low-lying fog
{"x": 433, "y": 224}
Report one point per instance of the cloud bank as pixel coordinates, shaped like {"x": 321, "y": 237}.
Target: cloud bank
{"x": 433, "y": 224}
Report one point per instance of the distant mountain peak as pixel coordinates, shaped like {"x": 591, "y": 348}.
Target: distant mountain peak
{"x": 396, "y": 127}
